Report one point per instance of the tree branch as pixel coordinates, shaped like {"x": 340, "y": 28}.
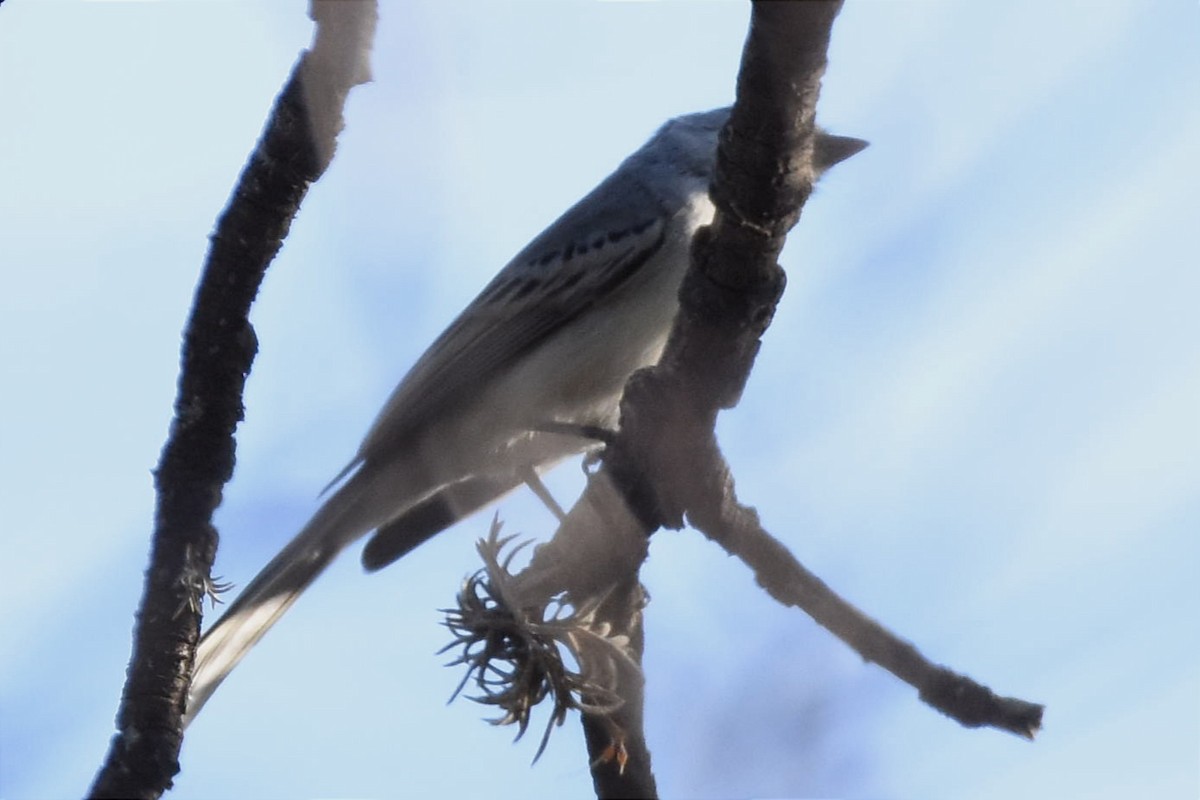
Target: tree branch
{"x": 763, "y": 175}
{"x": 727, "y": 300}
{"x": 218, "y": 350}
{"x": 664, "y": 463}
{"x": 622, "y": 768}
{"x": 713, "y": 509}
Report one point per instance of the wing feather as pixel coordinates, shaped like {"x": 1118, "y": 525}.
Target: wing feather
{"x": 586, "y": 255}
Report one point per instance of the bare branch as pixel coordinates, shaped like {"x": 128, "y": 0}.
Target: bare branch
{"x": 727, "y": 300}
{"x": 594, "y": 558}
{"x": 767, "y": 143}
{"x": 763, "y": 176}
{"x": 664, "y": 463}
{"x": 764, "y": 172}
{"x": 218, "y": 350}
{"x": 713, "y": 508}
{"x": 622, "y": 767}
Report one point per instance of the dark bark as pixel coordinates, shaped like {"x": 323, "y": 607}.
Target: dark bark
{"x": 218, "y": 350}
{"x": 665, "y": 460}
{"x": 627, "y": 773}
{"x": 764, "y": 174}
{"x": 713, "y": 508}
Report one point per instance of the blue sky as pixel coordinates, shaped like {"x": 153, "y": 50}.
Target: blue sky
{"x": 975, "y": 413}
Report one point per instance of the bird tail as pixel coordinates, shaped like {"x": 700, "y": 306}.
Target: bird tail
{"x": 433, "y": 515}
{"x": 368, "y": 499}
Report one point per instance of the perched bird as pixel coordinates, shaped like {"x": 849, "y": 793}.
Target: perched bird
{"x": 545, "y": 348}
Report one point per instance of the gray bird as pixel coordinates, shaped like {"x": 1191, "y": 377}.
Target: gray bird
{"x": 550, "y": 341}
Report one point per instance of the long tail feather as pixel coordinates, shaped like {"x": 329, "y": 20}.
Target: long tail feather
{"x": 432, "y": 516}
{"x": 365, "y": 501}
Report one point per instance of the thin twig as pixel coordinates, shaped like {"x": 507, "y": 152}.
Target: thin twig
{"x": 716, "y": 512}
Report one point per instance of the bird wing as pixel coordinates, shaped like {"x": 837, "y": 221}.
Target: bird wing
{"x": 595, "y": 248}
{"x": 581, "y": 259}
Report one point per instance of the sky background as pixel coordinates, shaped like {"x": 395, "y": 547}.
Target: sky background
{"x": 975, "y": 415}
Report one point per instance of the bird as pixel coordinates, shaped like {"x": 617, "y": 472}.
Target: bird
{"x": 539, "y": 356}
